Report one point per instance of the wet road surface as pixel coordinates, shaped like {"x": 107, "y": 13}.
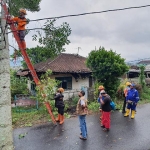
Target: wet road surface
{"x": 125, "y": 134}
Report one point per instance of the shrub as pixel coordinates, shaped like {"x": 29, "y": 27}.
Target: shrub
{"x": 120, "y": 90}
{"x": 93, "y": 106}
{"x": 107, "y": 67}
{"x": 75, "y": 100}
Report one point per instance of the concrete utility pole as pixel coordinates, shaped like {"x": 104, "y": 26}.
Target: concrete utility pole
{"x": 6, "y": 140}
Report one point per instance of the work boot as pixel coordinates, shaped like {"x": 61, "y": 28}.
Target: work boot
{"x": 61, "y": 119}
{"x": 133, "y": 114}
{"x": 127, "y": 113}
{"x": 58, "y": 118}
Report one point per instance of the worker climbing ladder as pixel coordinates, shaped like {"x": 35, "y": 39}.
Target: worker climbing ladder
{"x": 25, "y": 56}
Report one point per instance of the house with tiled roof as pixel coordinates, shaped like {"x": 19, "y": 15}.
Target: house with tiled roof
{"x": 144, "y": 62}
{"x": 70, "y": 69}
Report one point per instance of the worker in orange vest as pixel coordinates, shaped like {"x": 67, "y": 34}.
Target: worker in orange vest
{"x": 21, "y": 22}
{"x": 59, "y": 103}
{"x": 128, "y": 84}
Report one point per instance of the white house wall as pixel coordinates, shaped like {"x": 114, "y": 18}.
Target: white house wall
{"x": 76, "y": 86}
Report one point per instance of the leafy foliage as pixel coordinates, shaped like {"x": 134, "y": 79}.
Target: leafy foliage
{"x": 47, "y": 87}
{"x": 30, "y": 5}
{"x": 142, "y": 76}
{"x": 54, "y": 39}
{"x": 120, "y": 90}
{"x": 107, "y": 67}
{"x": 18, "y": 85}
{"x": 145, "y": 95}
{"x": 51, "y": 42}
{"x": 96, "y": 90}
{"x": 93, "y": 106}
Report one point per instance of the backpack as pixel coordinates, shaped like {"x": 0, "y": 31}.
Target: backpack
{"x": 112, "y": 105}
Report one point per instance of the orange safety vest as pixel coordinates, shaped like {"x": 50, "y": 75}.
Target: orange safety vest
{"x": 126, "y": 91}
{"x": 21, "y": 23}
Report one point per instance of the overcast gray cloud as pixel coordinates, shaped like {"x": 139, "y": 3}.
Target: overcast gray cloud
{"x": 126, "y": 32}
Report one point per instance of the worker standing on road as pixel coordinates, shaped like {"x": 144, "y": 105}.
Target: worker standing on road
{"x": 59, "y": 103}
{"x": 106, "y": 108}
{"x": 132, "y": 100}
{"x": 128, "y": 84}
{"x": 21, "y": 22}
{"x": 82, "y": 111}
{"x": 100, "y": 108}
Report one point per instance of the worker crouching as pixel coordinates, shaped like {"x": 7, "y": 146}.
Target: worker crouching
{"x": 132, "y": 100}
{"x": 21, "y": 22}
{"x": 59, "y": 103}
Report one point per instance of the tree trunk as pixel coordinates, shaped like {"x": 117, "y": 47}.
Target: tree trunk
{"x": 6, "y": 140}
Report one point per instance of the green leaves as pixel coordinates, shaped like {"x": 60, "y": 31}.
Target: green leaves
{"x": 18, "y": 85}
{"x": 48, "y": 86}
{"x": 30, "y": 5}
{"x": 22, "y": 135}
{"x": 107, "y": 67}
{"x": 51, "y": 43}
{"x": 142, "y": 76}
{"x": 54, "y": 39}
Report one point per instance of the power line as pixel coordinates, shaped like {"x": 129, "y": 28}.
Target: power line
{"x": 82, "y": 14}
{"x": 89, "y": 13}
{"x": 27, "y": 29}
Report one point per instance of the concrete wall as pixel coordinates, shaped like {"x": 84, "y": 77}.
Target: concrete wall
{"x": 75, "y": 85}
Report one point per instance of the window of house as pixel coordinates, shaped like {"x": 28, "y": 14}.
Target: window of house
{"x": 66, "y": 82}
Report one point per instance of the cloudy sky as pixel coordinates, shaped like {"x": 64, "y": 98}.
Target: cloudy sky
{"x": 126, "y": 32}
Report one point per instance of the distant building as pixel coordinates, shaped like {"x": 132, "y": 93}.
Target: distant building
{"x": 144, "y": 62}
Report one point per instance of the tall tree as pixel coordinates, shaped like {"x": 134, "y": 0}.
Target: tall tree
{"x": 6, "y": 140}
{"x": 107, "y": 67}
{"x": 31, "y": 5}
{"x": 52, "y": 41}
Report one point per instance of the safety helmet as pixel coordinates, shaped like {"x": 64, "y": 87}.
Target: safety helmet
{"x": 22, "y": 11}
{"x": 101, "y": 87}
{"x": 128, "y": 83}
{"x": 102, "y": 92}
{"x": 61, "y": 90}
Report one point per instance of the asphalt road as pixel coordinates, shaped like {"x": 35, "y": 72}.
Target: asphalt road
{"x": 125, "y": 134}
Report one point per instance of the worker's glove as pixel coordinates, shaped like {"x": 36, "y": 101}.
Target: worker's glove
{"x": 27, "y": 21}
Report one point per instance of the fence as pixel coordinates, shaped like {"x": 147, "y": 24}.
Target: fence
{"x": 89, "y": 93}
{"x": 21, "y": 101}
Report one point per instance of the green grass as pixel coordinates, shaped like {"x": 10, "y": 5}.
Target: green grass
{"x": 26, "y": 118}
{"x": 21, "y": 119}
{"x": 145, "y": 96}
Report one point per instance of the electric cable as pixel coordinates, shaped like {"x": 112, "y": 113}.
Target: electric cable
{"x": 96, "y": 12}
{"x": 90, "y": 13}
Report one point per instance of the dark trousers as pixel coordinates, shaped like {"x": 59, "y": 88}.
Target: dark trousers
{"x": 131, "y": 106}
{"x": 61, "y": 110}
{"x": 124, "y": 105}
{"x": 21, "y": 34}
